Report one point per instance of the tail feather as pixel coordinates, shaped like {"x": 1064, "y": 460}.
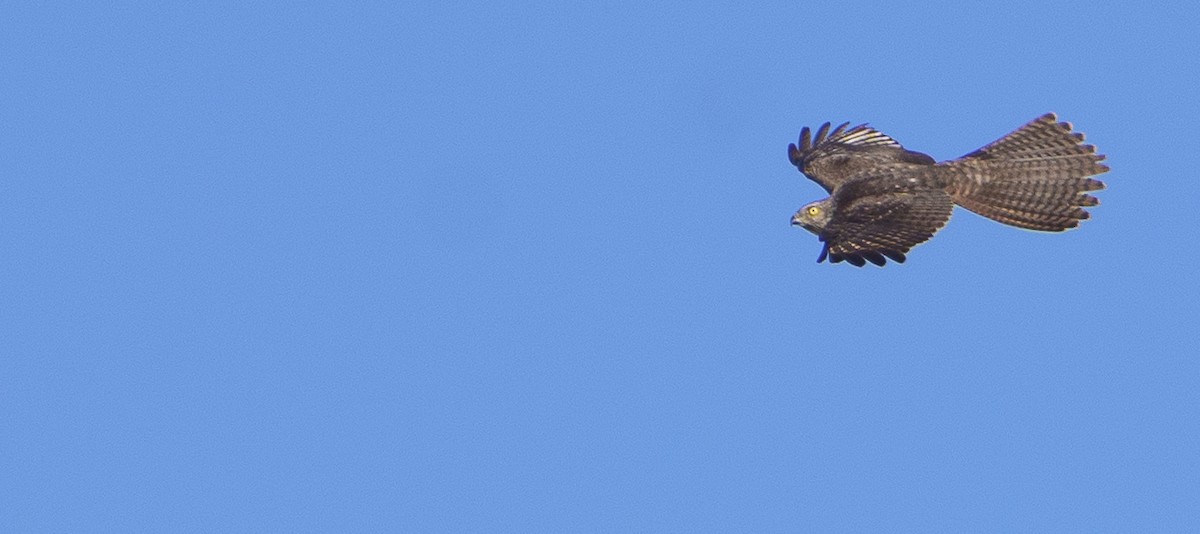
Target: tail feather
{"x": 1026, "y": 219}
{"x": 1041, "y": 138}
{"x": 1036, "y": 177}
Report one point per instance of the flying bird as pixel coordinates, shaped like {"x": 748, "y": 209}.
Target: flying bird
{"x": 884, "y": 199}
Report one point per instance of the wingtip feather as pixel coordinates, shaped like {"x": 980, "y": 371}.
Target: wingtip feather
{"x": 821, "y": 133}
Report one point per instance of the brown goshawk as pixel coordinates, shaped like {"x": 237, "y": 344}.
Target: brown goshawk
{"x": 884, "y": 200}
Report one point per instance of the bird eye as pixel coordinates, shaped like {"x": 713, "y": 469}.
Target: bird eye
{"x": 813, "y": 211}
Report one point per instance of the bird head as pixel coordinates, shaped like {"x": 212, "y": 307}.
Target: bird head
{"x": 814, "y": 216}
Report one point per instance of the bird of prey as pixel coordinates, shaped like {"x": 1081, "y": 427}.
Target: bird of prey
{"x": 884, "y": 200}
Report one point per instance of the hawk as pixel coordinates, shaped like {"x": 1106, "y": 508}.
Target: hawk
{"x": 884, "y": 199}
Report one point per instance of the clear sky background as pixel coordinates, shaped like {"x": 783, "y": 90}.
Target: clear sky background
{"x": 527, "y": 267}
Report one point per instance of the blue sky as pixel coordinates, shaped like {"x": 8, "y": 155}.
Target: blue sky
{"x": 527, "y": 267}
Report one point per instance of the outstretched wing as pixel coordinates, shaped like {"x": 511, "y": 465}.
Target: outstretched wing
{"x": 883, "y": 224}
{"x": 831, "y": 158}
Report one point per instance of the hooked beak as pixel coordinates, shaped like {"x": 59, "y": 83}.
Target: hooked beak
{"x": 799, "y": 220}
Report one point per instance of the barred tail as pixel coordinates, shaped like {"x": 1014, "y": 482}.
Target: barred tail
{"x": 1034, "y": 178}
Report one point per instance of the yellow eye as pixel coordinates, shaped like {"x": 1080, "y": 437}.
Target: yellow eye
{"x": 813, "y": 211}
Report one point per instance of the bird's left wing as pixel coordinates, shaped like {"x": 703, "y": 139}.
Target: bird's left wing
{"x": 830, "y": 158}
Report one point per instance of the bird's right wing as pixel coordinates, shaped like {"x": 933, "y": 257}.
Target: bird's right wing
{"x": 887, "y": 224}
{"x": 831, "y": 158}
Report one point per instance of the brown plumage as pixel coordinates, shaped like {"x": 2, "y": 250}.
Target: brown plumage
{"x": 832, "y": 158}
{"x": 885, "y": 199}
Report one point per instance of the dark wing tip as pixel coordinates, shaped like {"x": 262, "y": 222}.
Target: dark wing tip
{"x": 853, "y": 259}
{"x": 794, "y": 154}
{"x": 860, "y": 258}
{"x": 821, "y": 133}
{"x": 874, "y": 257}
{"x": 841, "y": 128}
{"x": 895, "y": 255}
